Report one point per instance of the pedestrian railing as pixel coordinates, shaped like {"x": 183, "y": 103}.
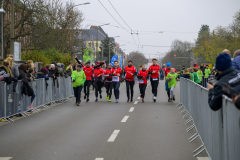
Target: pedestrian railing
{"x": 46, "y": 91}
{"x": 219, "y": 130}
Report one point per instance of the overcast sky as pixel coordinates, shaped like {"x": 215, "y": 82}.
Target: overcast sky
{"x": 178, "y": 19}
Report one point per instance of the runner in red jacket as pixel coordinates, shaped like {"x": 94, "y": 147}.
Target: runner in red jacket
{"x": 154, "y": 70}
{"x": 88, "y": 72}
{"x": 108, "y": 81}
{"x": 98, "y": 73}
{"x": 117, "y": 73}
{"x": 129, "y": 72}
{"x": 142, "y": 76}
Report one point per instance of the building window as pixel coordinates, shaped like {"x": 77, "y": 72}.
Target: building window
{"x": 89, "y": 44}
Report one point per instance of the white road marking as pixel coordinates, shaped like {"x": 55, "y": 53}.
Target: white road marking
{"x": 135, "y": 102}
{"x": 125, "y": 119}
{"x": 131, "y": 109}
{"x": 5, "y": 158}
{"x": 113, "y": 136}
{"x": 99, "y": 159}
{"x": 138, "y": 97}
{"x": 203, "y": 158}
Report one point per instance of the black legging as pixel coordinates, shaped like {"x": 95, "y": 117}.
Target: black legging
{"x": 142, "y": 88}
{"x": 86, "y": 87}
{"x": 154, "y": 85}
{"x": 131, "y": 84}
{"x": 98, "y": 87}
{"x": 109, "y": 86}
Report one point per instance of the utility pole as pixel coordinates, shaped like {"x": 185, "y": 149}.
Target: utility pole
{"x": 109, "y": 50}
{"x": 12, "y": 28}
{"x": 96, "y": 46}
{"x": 2, "y": 12}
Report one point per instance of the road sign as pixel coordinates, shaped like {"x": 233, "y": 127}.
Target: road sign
{"x": 17, "y": 51}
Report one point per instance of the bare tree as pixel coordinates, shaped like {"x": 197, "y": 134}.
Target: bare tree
{"x": 137, "y": 58}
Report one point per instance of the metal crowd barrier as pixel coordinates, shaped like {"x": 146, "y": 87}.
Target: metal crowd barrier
{"x": 204, "y": 80}
{"x": 219, "y": 130}
{"x": 13, "y": 103}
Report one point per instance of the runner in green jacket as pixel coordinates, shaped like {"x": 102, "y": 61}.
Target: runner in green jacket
{"x": 78, "y": 79}
{"x": 172, "y": 79}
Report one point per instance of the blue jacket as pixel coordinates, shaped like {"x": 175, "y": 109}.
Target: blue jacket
{"x": 41, "y": 75}
{"x": 236, "y": 63}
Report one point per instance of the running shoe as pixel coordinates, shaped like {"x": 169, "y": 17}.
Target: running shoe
{"x": 107, "y": 97}
{"x": 100, "y": 96}
{"x": 142, "y": 100}
{"x": 85, "y": 96}
{"x": 168, "y": 99}
{"x": 78, "y": 104}
{"x": 173, "y": 98}
{"x": 141, "y": 96}
{"x": 96, "y": 100}
{"x": 131, "y": 100}
{"x": 128, "y": 101}
{"x": 109, "y": 100}
{"x": 117, "y": 101}
{"x": 2, "y": 120}
{"x": 87, "y": 99}
{"x": 154, "y": 99}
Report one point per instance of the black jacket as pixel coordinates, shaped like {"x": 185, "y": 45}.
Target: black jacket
{"x": 230, "y": 77}
{"x": 237, "y": 103}
{"x": 8, "y": 80}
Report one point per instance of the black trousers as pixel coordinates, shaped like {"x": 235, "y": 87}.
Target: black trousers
{"x": 98, "y": 87}
{"x": 87, "y": 85}
{"x": 154, "y": 85}
{"x": 77, "y": 93}
{"x": 142, "y": 88}
{"x": 130, "y": 85}
{"x": 109, "y": 86}
{"x": 116, "y": 86}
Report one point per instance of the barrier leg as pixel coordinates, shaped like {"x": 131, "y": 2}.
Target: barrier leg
{"x": 189, "y": 120}
{"x": 185, "y": 115}
{"x": 180, "y": 107}
{"x": 179, "y": 104}
{"x": 190, "y": 128}
{"x": 194, "y": 138}
{"x": 182, "y": 111}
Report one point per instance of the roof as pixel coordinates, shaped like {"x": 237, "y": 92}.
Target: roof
{"x": 91, "y": 34}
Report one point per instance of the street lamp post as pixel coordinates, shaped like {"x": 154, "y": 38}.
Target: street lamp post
{"x": 12, "y": 28}
{"x": 2, "y": 12}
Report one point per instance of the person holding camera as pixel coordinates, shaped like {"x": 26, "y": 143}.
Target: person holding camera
{"x": 226, "y": 74}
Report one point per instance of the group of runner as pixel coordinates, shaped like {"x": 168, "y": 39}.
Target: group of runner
{"x": 111, "y": 77}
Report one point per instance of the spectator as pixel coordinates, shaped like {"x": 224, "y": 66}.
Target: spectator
{"x": 207, "y": 72}
{"x": 236, "y": 60}
{"x": 186, "y": 74}
{"x": 190, "y": 70}
{"x": 226, "y": 51}
{"x": 53, "y": 73}
{"x": 236, "y": 101}
{"x": 13, "y": 67}
{"x": 48, "y": 67}
{"x": 196, "y": 65}
{"x": 200, "y": 75}
{"x": 62, "y": 65}
{"x": 183, "y": 68}
{"x": 26, "y": 88}
{"x": 30, "y": 74}
{"x": 69, "y": 69}
{"x": 227, "y": 75}
{"x": 42, "y": 74}
{"x": 30, "y": 63}
{"x": 196, "y": 78}
{"x": 5, "y": 72}
{"x": 60, "y": 70}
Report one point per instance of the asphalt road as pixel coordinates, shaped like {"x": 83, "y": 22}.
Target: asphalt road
{"x": 152, "y": 131}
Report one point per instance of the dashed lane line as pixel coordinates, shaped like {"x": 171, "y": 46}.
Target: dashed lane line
{"x": 5, "y": 158}
{"x": 99, "y": 159}
{"x": 135, "y": 102}
{"x": 131, "y": 109}
{"x": 113, "y": 136}
{"x": 125, "y": 119}
{"x": 203, "y": 158}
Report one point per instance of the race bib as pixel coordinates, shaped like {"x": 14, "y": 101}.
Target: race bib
{"x": 141, "y": 81}
{"x": 155, "y": 79}
{"x": 115, "y": 79}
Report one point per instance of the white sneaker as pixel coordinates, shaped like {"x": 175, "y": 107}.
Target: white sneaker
{"x": 117, "y": 101}
{"x": 154, "y": 97}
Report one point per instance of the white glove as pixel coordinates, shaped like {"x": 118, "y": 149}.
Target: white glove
{"x": 2, "y": 72}
{"x": 6, "y": 75}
